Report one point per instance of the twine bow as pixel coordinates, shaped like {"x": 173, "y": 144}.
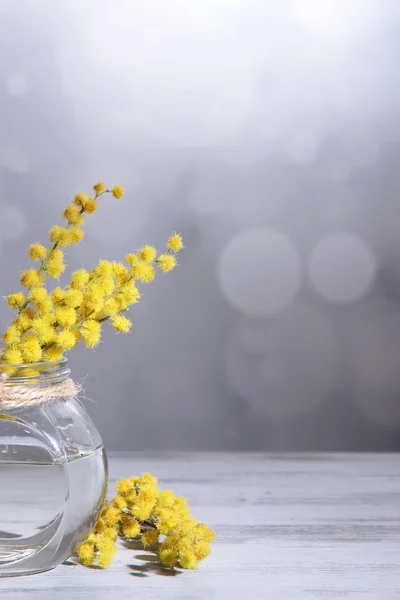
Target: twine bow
{"x": 25, "y": 395}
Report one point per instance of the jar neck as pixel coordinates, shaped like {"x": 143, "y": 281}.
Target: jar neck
{"x": 41, "y": 373}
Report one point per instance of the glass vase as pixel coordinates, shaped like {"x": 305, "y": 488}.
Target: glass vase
{"x": 53, "y": 472}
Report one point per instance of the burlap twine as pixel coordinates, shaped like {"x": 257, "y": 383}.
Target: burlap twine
{"x": 25, "y": 395}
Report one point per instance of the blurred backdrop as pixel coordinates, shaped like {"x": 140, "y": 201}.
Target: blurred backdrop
{"x": 267, "y": 132}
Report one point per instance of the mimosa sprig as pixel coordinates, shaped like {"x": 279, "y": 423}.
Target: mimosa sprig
{"x": 157, "y": 519}
{"x": 50, "y": 322}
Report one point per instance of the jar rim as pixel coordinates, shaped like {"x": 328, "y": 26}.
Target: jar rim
{"x": 39, "y": 373}
{"x": 40, "y": 364}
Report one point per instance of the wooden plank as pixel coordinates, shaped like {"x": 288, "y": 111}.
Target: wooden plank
{"x": 289, "y": 526}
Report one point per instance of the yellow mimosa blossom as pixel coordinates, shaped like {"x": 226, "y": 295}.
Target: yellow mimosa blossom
{"x": 122, "y": 275}
{"x": 30, "y": 349}
{"x": 167, "y": 522}
{"x": 75, "y": 235}
{"x": 100, "y": 525}
{"x": 24, "y": 319}
{"x": 80, "y": 199}
{"x": 38, "y": 294}
{"x": 57, "y": 254}
{"x": 166, "y": 498}
{"x": 52, "y": 354}
{"x": 79, "y": 279}
{"x": 44, "y": 331}
{"x": 203, "y": 532}
{"x": 149, "y": 538}
{"x": 182, "y": 543}
{"x": 77, "y": 334}
{"x": 49, "y": 317}
{"x": 30, "y": 278}
{"x": 188, "y": 561}
{"x": 121, "y": 323}
{"x": 201, "y": 550}
{"x": 54, "y": 269}
{"x": 121, "y": 301}
{"x": 104, "y": 559}
{"x": 142, "y": 511}
{"x": 124, "y": 487}
{"x": 148, "y": 495}
{"x": 15, "y": 300}
{"x": 112, "y": 516}
{"x": 65, "y": 340}
{"x": 72, "y": 298}
{"x": 119, "y": 502}
{"x": 37, "y": 252}
{"x": 147, "y": 478}
{"x": 93, "y": 300}
{"x": 111, "y": 307}
{"x": 65, "y": 316}
{"x": 13, "y": 356}
{"x": 58, "y": 294}
{"x": 181, "y": 503}
{"x": 55, "y": 266}
{"x": 91, "y": 332}
{"x": 118, "y": 269}
{"x": 11, "y": 335}
{"x": 143, "y": 272}
{"x": 44, "y": 306}
{"x": 104, "y": 268}
{"x": 91, "y": 206}
{"x": 147, "y": 253}
{"x": 175, "y": 243}
{"x": 131, "y": 259}
{"x": 111, "y": 532}
{"x": 73, "y": 215}
{"x": 117, "y": 191}
{"x": 106, "y": 551}
{"x": 168, "y": 558}
{"x": 99, "y": 187}
{"x": 60, "y": 235}
{"x": 130, "y": 528}
{"x": 106, "y": 284}
{"x": 86, "y": 553}
{"x": 166, "y": 262}
{"x": 131, "y": 293}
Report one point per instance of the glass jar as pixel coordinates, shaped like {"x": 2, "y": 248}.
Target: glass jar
{"x": 53, "y": 474}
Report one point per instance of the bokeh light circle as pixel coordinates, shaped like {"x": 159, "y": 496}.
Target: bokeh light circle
{"x": 283, "y": 366}
{"x": 342, "y": 267}
{"x": 259, "y": 271}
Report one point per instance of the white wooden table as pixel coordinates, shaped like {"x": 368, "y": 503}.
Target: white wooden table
{"x": 289, "y": 527}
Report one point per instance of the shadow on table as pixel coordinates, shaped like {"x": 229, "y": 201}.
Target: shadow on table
{"x": 151, "y": 566}
{"x": 151, "y": 561}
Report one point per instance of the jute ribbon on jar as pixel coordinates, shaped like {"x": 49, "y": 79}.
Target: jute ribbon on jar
{"x": 25, "y": 395}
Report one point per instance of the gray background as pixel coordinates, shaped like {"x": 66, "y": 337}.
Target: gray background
{"x": 268, "y": 133}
